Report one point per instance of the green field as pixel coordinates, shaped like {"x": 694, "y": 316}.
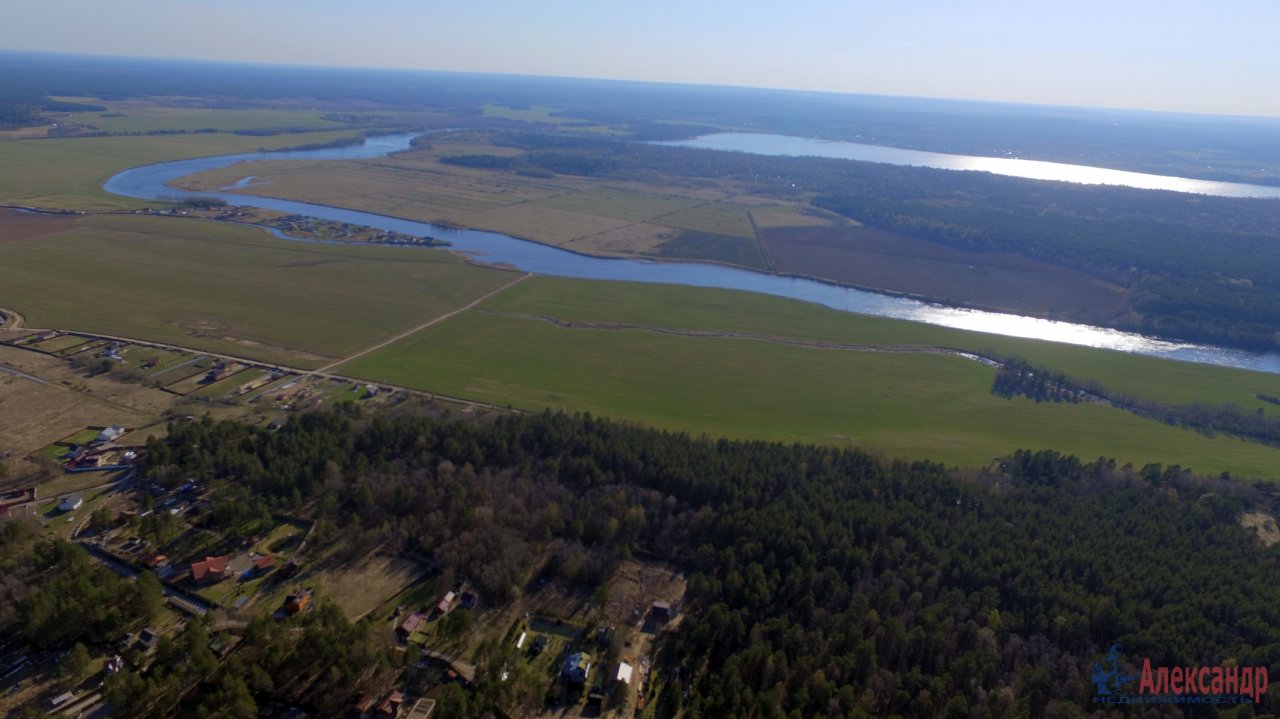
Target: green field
{"x": 722, "y": 310}
{"x": 901, "y": 404}
{"x": 230, "y": 288}
{"x": 68, "y": 173}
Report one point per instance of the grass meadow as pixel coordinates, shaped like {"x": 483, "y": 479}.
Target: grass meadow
{"x": 229, "y": 288}
{"x": 901, "y": 404}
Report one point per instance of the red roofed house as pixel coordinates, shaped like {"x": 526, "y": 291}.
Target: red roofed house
{"x": 211, "y": 569}
{"x": 411, "y": 624}
{"x": 264, "y": 564}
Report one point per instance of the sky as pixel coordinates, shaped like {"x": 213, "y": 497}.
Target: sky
{"x": 1178, "y": 55}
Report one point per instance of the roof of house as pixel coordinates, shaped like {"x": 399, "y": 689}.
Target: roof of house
{"x": 209, "y": 567}
{"x": 412, "y": 622}
{"x": 576, "y": 666}
{"x": 446, "y": 602}
{"x": 624, "y": 672}
{"x": 266, "y": 561}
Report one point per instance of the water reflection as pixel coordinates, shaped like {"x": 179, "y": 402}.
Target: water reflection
{"x": 785, "y": 145}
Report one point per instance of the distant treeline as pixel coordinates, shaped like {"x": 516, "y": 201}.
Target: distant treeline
{"x": 21, "y": 111}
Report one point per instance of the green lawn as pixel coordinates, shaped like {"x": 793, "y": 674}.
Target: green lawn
{"x": 912, "y": 405}
{"x": 68, "y": 173}
{"x": 230, "y": 288}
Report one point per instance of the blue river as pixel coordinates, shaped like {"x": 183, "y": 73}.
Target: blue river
{"x": 150, "y": 182}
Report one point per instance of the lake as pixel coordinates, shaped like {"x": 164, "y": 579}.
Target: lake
{"x": 785, "y": 145}
{"x": 150, "y": 182}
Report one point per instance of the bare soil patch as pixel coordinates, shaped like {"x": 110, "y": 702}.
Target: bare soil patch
{"x": 16, "y": 225}
{"x": 869, "y": 257}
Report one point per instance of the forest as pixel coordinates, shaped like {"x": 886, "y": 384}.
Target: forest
{"x": 822, "y": 581}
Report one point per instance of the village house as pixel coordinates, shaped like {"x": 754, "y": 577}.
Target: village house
{"x": 576, "y": 668}
{"x": 110, "y": 434}
{"x": 411, "y": 624}
{"x": 209, "y": 570}
{"x": 71, "y": 503}
{"x": 263, "y": 564}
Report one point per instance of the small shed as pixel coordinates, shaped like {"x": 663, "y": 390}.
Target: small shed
{"x": 71, "y": 503}
{"x": 661, "y": 611}
{"x": 624, "y": 673}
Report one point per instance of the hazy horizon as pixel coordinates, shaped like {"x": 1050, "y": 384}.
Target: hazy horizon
{"x": 1170, "y": 56}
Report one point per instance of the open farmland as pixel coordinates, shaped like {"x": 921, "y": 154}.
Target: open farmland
{"x": 231, "y": 288}
{"x": 902, "y": 404}
{"x": 573, "y": 212}
{"x": 712, "y": 310}
{"x": 68, "y": 173}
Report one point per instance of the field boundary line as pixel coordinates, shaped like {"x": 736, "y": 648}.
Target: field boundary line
{"x": 423, "y": 326}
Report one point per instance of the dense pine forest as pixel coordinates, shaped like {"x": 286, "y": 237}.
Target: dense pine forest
{"x": 822, "y": 582}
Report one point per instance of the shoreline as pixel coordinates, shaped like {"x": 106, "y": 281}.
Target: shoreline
{"x": 476, "y": 258}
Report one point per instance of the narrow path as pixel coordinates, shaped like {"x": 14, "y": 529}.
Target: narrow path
{"x": 11, "y": 320}
{"x": 424, "y": 325}
{"x": 23, "y": 375}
